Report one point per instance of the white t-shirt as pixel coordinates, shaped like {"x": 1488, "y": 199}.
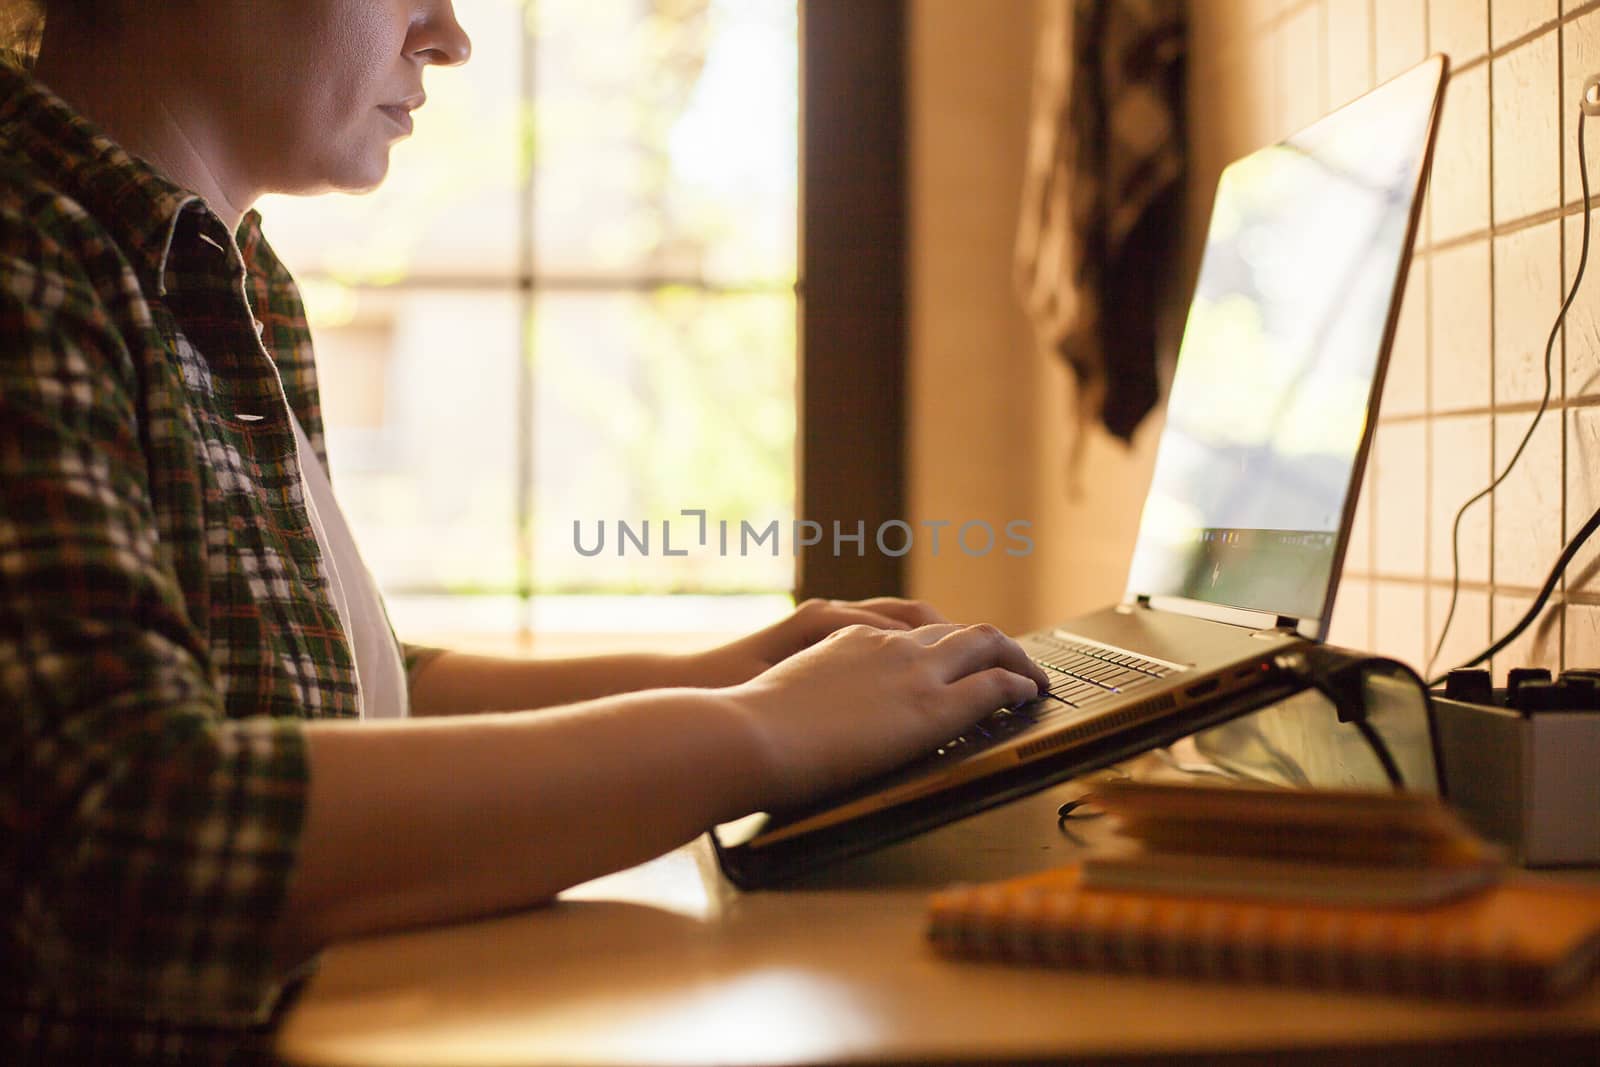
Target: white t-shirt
{"x": 380, "y": 669}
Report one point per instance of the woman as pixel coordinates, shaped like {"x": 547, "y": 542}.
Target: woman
{"x": 186, "y": 635}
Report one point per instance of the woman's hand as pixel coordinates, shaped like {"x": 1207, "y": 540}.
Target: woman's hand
{"x": 812, "y": 621}
{"x": 867, "y": 698}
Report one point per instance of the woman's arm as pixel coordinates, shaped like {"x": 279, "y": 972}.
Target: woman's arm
{"x": 429, "y": 821}
{"x": 462, "y": 683}
{"x": 459, "y": 683}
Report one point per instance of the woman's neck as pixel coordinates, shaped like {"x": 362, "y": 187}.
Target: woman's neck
{"x": 134, "y": 97}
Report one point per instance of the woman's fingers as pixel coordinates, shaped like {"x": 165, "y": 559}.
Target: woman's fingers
{"x": 994, "y": 687}
{"x": 816, "y": 619}
{"x": 869, "y": 698}
{"x": 963, "y": 649}
{"x": 838, "y": 618}
{"x": 970, "y": 649}
{"x": 927, "y": 635}
{"x": 911, "y": 612}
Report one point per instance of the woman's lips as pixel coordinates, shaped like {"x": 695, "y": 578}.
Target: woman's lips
{"x": 400, "y": 115}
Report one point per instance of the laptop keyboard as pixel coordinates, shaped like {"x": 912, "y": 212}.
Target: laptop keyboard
{"x": 1081, "y": 676}
{"x": 1082, "y": 673}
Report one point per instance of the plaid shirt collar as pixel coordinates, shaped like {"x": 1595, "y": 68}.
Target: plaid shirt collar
{"x": 143, "y": 211}
{"x": 136, "y": 204}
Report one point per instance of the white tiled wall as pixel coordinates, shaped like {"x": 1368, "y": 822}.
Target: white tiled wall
{"x": 1498, "y": 247}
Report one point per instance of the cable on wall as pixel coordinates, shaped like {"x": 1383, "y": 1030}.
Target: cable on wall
{"x": 1588, "y": 104}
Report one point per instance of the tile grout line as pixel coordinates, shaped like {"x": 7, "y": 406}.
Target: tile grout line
{"x": 1428, "y": 621}
{"x": 1517, "y": 225}
{"x": 1369, "y": 477}
{"x": 1561, "y": 338}
{"x": 1526, "y": 592}
{"x": 1518, "y": 407}
{"x": 1494, "y": 459}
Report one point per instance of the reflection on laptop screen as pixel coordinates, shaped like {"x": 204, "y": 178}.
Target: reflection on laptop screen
{"x": 1269, "y": 402}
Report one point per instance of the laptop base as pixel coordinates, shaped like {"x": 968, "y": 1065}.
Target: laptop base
{"x": 1386, "y": 697}
{"x": 773, "y": 864}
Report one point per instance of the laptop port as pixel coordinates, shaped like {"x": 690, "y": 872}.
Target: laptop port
{"x": 1204, "y": 688}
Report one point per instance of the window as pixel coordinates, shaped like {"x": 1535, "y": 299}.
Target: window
{"x": 571, "y": 302}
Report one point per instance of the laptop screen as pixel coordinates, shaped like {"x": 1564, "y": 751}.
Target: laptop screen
{"x": 1252, "y": 494}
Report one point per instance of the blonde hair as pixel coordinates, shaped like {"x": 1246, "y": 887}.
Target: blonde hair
{"x": 21, "y": 27}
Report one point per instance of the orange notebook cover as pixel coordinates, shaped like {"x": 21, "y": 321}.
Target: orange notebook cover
{"x": 1524, "y": 939}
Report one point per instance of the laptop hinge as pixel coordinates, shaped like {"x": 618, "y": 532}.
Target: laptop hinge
{"x": 1288, "y": 624}
{"x": 1143, "y": 600}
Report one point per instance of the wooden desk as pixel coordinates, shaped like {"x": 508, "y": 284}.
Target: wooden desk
{"x": 666, "y": 964}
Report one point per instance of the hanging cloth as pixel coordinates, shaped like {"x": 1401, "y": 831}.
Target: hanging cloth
{"x": 1102, "y": 197}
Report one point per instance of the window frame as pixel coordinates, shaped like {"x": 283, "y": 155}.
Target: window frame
{"x": 850, "y": 447}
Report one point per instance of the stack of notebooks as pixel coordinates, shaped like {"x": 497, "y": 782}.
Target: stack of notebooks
{"x": 1362, "y": 890}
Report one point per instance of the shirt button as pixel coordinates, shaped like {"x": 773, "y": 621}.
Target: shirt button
{"x": 260, "y": 326}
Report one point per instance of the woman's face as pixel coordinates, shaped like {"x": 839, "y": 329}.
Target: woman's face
{"x": 318, "y": 90}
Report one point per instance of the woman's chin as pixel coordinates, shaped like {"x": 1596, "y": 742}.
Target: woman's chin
{"x": 363, "y": 176}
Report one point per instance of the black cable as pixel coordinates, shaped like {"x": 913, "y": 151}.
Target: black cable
{"x": 1391, "y": 769}
{"x": 1538, "y": 602}
{"x": 1544, "y": 404}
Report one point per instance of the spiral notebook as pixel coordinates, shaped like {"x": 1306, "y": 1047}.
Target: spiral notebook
{"x": 1524, "y": 939}
{"x": 1369, "y": 891}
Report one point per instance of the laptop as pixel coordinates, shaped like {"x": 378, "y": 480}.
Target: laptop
{"x": 1250, "y": 507}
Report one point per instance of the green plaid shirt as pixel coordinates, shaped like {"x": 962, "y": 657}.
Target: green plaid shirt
{"x": 165, "y": 619}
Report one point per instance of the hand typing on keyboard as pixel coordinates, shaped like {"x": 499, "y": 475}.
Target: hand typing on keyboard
{"x": 1080, "y": 675}
{"x": 864, "y": 700}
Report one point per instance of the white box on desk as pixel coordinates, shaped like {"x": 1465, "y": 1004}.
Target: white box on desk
{"x": 1527, "y": 780}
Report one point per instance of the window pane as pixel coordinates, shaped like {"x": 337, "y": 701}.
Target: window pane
{"x": 420, "y": 392}
{"x": 663, "y": 141}
{"x": 666, "y": 138}
{"x": 449, "y": 203}
{"x": 650, "y": 403}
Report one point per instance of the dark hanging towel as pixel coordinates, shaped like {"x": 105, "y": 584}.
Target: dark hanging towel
{"x": 1102, "y": 195}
